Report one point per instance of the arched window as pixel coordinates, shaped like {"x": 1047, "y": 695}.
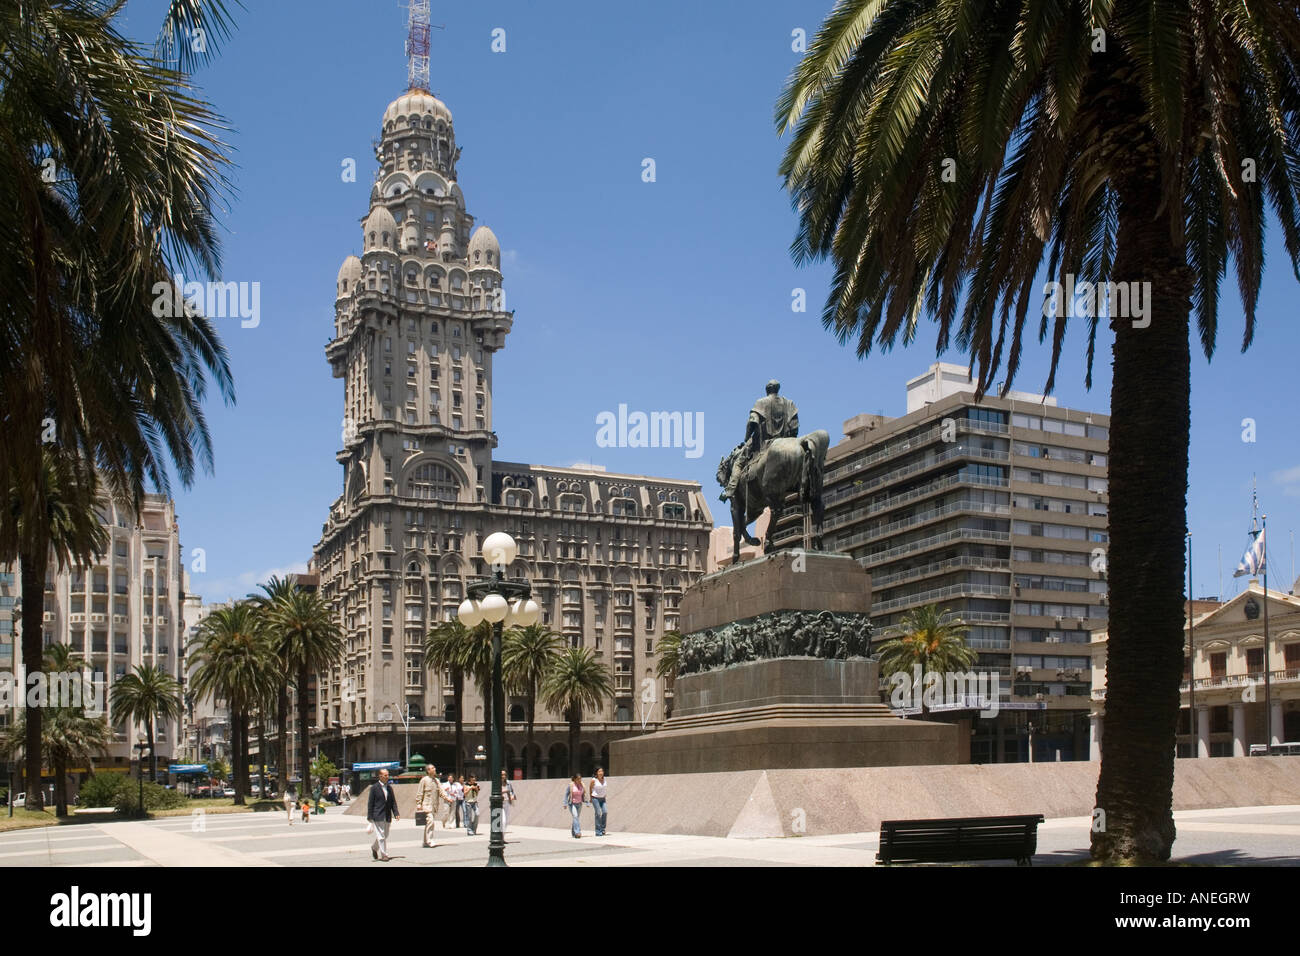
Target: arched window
{"x": 571, "y": 502}
{"x": 675, "y": 512}
{"x": 432, "y": 482}
{"x": 622, "y": 506}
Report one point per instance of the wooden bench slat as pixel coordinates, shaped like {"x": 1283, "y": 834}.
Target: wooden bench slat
{"x": 1013, "y": 837}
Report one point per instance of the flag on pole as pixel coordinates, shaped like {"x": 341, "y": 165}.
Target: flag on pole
{"x": 1252, "y": 562}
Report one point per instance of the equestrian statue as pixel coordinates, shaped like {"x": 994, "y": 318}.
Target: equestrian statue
{"x": 770, "y": 464}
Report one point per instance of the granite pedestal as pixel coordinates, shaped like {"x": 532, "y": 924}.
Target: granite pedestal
{"x": 781, "y": 712}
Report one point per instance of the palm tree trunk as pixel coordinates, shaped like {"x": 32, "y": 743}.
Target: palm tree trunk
{"x": 153, "y": 755}
{"x": 239, "y": 718}
{"x": 304, "y": 738}
{"x": 530, "y": 763}
{"x": 458, "y": 695}
{"x": 61, "y": 788}
{"x": 1150, "y": 399}
{"x": 575, "y": 732}
{"x": 282, "y": 724}
{"x": 33, "y": 591}
{"x": 261, "y": 751}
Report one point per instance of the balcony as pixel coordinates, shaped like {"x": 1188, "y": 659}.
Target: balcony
{"x": 925, "y": 491}
{"x": 925, "y": 517}
{"x": 939, "y": 594}
{"x": 925, "y": 544}
{"x": 895, "y": 448}
{"x": 879, "y": 582}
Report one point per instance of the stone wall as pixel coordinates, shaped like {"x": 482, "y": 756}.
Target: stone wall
{"x": 763, "y": 803}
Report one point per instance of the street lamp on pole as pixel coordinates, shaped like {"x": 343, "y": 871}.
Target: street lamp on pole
{"x": 499, "y": 602}
{"x": 405, "y": 714}
{"x": 343, "y": 772}
{"x": 142, "y": 745}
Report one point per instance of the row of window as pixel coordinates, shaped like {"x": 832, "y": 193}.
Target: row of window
{"x": 1057, "y": 426}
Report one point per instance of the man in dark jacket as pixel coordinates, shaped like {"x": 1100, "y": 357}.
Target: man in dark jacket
{"x": 381, "y": 811}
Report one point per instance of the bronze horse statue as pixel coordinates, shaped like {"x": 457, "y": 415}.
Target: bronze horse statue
{"x": 783, "y": 466}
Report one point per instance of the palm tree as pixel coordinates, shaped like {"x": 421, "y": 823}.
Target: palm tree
{"x": 314, "y": 643}
{"x": 111, "y": 170}
{"x": 277, "y": 591}
{"x": 669, "y": 653}
{"x": 931, "y": 638}
{"x": 69, "y": 738}
{"x": 527, "y": 656}
{"x": 142, "y": 697}
{"x": 449, "y": 646}
{"x": 579, "y": 679}
{"x": 232, "y": 658}
{"x": 943, "y": 153}
{"x": 57, "y": 518}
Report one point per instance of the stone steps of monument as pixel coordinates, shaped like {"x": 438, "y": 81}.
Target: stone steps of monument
{"x": 779, "y": 712}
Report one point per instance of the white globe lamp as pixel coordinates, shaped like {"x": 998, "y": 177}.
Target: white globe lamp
{"x": 500, "y": 550}
{"x": 470, "y": 613}
{"x": 494, "y": 608}
{"x": 524, "y": 613}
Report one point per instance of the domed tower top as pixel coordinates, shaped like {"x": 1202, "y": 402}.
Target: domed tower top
{"x": 417, "y": 134}
{"x": 484, "y": 250}
{"x": 416, "y": 104}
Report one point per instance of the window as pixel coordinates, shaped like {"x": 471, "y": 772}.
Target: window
{"x": 432, "y": 482}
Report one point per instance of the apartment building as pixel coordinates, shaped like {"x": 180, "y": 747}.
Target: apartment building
{"x": 122, "y": 611}
{"x": 994, "y": 509}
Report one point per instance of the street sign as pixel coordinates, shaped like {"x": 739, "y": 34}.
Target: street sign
{"x": 187, "y": 768}
{"x": 378, "y": 765}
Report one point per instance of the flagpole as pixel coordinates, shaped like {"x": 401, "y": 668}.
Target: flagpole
{"x": 1268, "y": 700}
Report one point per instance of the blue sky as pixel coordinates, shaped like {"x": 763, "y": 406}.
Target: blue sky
{"x": 673, "y": 295}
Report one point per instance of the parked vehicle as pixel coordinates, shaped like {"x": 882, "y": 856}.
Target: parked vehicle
{"x": 20, "y": 800}
{"x": 228, "y": 792}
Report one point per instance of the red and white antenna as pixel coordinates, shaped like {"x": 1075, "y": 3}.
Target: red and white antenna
{"x": 417, "y": 45}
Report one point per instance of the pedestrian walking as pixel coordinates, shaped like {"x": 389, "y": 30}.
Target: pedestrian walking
{"x": 471, "y": 806}
{"x": 448, "y": 802}
{"x": 381, "y": 811}
{"x": 290, "y": 804}
{"x": 596, "y": 793}
{"x": 306, "y": 810}
{"x": 574, "y": 797}
{"x": 458, "y": 794}
{"x": 507, "y": 798}
{"x": 428, "y": 801}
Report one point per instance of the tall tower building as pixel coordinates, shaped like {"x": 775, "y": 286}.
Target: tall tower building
{"x": 419, "y": 319}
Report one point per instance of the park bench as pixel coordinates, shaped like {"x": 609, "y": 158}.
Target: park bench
{"x": 960, "y": 838}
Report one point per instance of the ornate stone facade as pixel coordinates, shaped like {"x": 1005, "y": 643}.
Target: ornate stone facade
{"x": 419, "y": 318}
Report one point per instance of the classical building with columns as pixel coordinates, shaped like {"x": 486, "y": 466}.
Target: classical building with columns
{"x": 419, "y": 318}
{"x": 1225, "y": 677}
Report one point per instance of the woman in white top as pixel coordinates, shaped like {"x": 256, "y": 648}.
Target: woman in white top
{"x": 596, "y": 793}
{"x": 507, "y": 798}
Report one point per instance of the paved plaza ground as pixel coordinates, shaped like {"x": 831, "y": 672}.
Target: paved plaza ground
{"x": 1259, "y": 836}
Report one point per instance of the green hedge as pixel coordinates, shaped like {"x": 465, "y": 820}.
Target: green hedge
{"x": 127, "y": 800}
{"x": 102, "y": 789}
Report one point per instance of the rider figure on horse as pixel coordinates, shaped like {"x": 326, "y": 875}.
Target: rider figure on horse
{"x": 771, "y": 417}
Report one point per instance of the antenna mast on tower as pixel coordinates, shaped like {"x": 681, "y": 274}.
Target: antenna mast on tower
{"x": 417, "y": 45}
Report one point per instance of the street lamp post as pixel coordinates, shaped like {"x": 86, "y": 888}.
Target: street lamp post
{"x": 498, "y": 602}
{"x": 141, "y": 746}
{"x": 343, "y": 779}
